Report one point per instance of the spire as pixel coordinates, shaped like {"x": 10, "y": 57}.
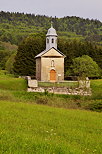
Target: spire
{"x": 51, "y": 24}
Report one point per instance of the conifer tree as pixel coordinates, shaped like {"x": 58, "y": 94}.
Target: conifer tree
{"x": 25, "y": 59}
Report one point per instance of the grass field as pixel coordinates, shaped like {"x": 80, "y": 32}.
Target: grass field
{"x": 29, "y": 126}
{"x": 69, "y": 84}
{"x": 36, "y": 129}
{"x": 8, "y": 82}
{"x": 14, "y": 89}
{"x": 96, "y": 86}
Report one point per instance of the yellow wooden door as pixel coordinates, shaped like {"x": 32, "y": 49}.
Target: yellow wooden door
{"x": 53, "y": 75}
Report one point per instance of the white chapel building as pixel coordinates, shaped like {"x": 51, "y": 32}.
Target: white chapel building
{"x": 50, "y": 62}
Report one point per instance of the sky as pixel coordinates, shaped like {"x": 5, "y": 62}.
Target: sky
{"x": 91, "y": 9}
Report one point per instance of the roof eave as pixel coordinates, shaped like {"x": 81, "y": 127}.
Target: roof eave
{"x": 43, "y": 52}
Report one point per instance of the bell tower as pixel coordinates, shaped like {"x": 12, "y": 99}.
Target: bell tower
{"x": 51, "y": 38}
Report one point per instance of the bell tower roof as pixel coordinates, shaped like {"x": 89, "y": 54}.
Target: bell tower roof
{"x": 51, "y": 31}
{"x": 51, "y": 38}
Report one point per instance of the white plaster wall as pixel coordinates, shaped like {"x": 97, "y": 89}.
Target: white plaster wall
{"x": 50, "y": 44}
{"x": 46, "y": 67}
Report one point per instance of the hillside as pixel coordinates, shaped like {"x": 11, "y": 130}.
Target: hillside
{"x": 15, "y": 26}
{"x": 77, "y": 37}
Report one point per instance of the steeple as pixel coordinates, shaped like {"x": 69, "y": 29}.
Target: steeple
{"x": 51, "y": 24}
{"x": 51, "y": 38}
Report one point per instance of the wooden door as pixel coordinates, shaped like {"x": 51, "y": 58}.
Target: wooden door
{"x": 53, "y": 75}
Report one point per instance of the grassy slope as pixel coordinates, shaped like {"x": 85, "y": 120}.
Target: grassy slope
{"x": 28, "y": 128}
{"x": 14, "y": 89}
{"x": 96, "y": 86}
{"x": 8, "y": 82}
{"x": 12, "y": 84}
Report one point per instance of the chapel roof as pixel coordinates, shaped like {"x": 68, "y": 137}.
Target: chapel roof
{"x": 45, "y": 51}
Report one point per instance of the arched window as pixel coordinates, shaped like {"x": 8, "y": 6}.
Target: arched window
{"x": 47, "y": 40}
{"x": 52, "y": 40}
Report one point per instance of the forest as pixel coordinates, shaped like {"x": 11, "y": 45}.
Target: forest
{"x": 16, "y": 26}
{"x": 77, "y": 37}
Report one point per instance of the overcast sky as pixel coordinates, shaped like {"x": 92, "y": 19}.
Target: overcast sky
{"x": 91, "y": 9}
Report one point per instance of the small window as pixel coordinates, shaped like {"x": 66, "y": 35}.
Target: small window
{"x": 52, "y": 40}
{"x": 47, "y": 40}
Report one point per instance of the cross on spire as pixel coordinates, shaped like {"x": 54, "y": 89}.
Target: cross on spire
{"x": 51, "y": 24}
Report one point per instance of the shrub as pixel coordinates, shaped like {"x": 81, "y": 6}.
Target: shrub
{"x": 96, "y": 106}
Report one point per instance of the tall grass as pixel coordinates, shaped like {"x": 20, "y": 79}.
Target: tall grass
{"x": 28, "y": 128}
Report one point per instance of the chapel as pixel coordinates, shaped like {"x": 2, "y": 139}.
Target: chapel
{"x": 50, "y": 62}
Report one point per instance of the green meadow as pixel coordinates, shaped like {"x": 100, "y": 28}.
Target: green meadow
{"x": 37, "y": 129}
{"x": 61, "y": 84}
{"x": 43, "y": 123}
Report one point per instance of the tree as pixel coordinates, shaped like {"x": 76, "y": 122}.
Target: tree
{"x": 85, "y": 67}
{"x": 6, "y": 50}
{"x": 9, "y": 63}
{"x": 25, "y": 59}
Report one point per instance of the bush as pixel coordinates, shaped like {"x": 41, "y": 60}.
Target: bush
{"x": 96, "y": 106}
{"x": 42, "y": 100}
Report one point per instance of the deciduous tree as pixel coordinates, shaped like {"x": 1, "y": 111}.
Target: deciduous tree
{"x": 85, "y": 67}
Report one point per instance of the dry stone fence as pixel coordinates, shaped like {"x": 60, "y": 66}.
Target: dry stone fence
{"x": 82, "y": 89}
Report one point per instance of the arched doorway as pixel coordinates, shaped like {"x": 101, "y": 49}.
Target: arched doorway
{"x": 52, "y": 75}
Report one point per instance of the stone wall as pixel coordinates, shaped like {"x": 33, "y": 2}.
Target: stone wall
{"x": 81, "y": 90}
{"x": 61, "y": 90}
